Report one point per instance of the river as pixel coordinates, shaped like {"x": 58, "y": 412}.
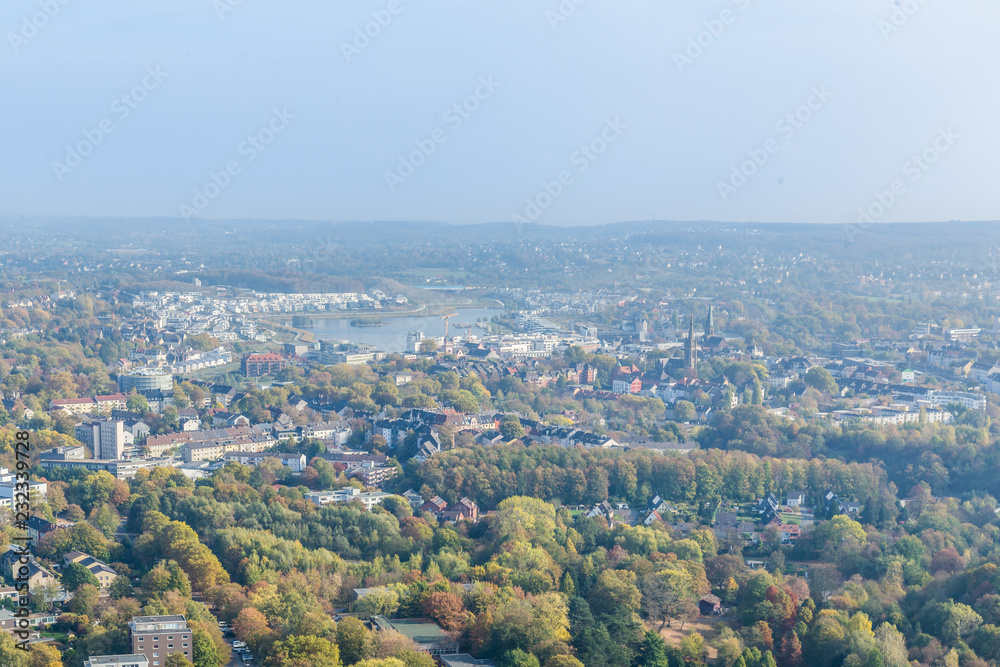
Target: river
{"x": 391, "y": 336}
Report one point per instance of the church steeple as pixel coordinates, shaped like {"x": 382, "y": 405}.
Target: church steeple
{"x": 691, "y": 350}
{"x": 710, "y": 323}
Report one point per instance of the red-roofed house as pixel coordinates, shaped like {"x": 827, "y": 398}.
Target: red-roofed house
{"x": 463, "y": 510}
{"x": 435, "y": 505}
{"x": 789, "y": 533}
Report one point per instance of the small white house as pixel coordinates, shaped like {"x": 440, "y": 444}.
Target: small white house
{"x": 795, "y": 499}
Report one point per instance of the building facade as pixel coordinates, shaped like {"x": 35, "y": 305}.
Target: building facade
{"x": 156, "y": 637}
{"x": 106, "y": 438}
{"x": 146, "y": 379}
{"x": 256, "y": 365}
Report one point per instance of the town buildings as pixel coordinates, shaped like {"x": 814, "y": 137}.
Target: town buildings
{"x": 104, "y": 574}
{"x": 145, "y": 379}
{"x": 93, "y": 405}
{"x": 106, "y": 437}
{"x": 73, "y": 457}
{"x": 156, "y": 637}
{"x": 347, "y": 495}
{"x": 256, "y": 365}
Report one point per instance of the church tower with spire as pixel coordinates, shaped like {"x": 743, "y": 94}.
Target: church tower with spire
{"x": 710, "y": 323}
{"x": 691, "y": 351}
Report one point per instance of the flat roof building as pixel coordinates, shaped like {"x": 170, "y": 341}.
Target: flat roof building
{"x": 106, "y": 437}
{"x": 156, "y": 637}
{"x": 120, "y": 469}
{"x": 464, "y": 660}
{"x": 132, "y": 660}
{"x": 255, "y": 365}
{"x": 347, "y": 495}
{"x": 146, "y": 379}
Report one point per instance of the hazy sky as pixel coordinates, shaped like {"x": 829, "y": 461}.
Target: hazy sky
{"x": 127, "y": 109}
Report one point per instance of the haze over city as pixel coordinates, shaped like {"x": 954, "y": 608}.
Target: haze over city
{"x": 694, "y": 89}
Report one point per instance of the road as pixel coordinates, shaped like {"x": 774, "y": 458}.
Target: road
{"x": 236, "y": 661}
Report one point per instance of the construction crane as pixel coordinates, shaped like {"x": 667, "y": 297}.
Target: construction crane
{"x": 446, "y": 318}
{"x": 468, "y": 330}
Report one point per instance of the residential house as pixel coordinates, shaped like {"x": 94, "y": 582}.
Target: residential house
{"x": 602, "y": 509}
{"x": 850, "y": 507}
{"x": 767, "y": 504}
{"x": 790, "y": 533}
{"x": 491, "y": 437}
{"x": 658, "y": 504}
{"x": 104, "y": 574}
{"x": 709, "y": 605}
{"x": 428, "y": 444}
{"x": 828, "y": 499}
{"x": 401, "y": 378}
{"x": 779, "y": 381}
{"x": 9, "y": 622}
{"x": 39, "y": 528}
{"x": 414, "y": 498}
{"x": 138, "y": 428}
{"x": 771, "y": 517}
{"x": 187, "y": 424}
{"x": 652, "y": 518}
{"x": 226, "y": 419}
{"x": 436, "y": 506}
{"x": 627, "y": 384}
{"x": 796, "y": 499}
{"x": 463, "y": 510}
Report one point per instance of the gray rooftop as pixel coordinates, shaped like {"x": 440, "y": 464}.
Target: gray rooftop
{"x": 157, "y": 619}
{"x": 116, "y": 660}
{"x": 463, "y": 660}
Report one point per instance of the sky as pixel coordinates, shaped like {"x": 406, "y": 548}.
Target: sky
{"x": 571, "y": 112}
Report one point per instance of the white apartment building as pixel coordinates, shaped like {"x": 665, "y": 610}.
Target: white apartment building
{"x": 348, "y": 494}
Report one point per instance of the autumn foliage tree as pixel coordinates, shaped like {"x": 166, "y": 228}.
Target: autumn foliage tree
{"x": 447, "y": 610}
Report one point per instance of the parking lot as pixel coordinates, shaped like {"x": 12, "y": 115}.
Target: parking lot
{"x": 237, "y": 660}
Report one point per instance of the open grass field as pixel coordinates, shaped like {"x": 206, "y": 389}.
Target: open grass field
{"x": 705, "y": 626}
